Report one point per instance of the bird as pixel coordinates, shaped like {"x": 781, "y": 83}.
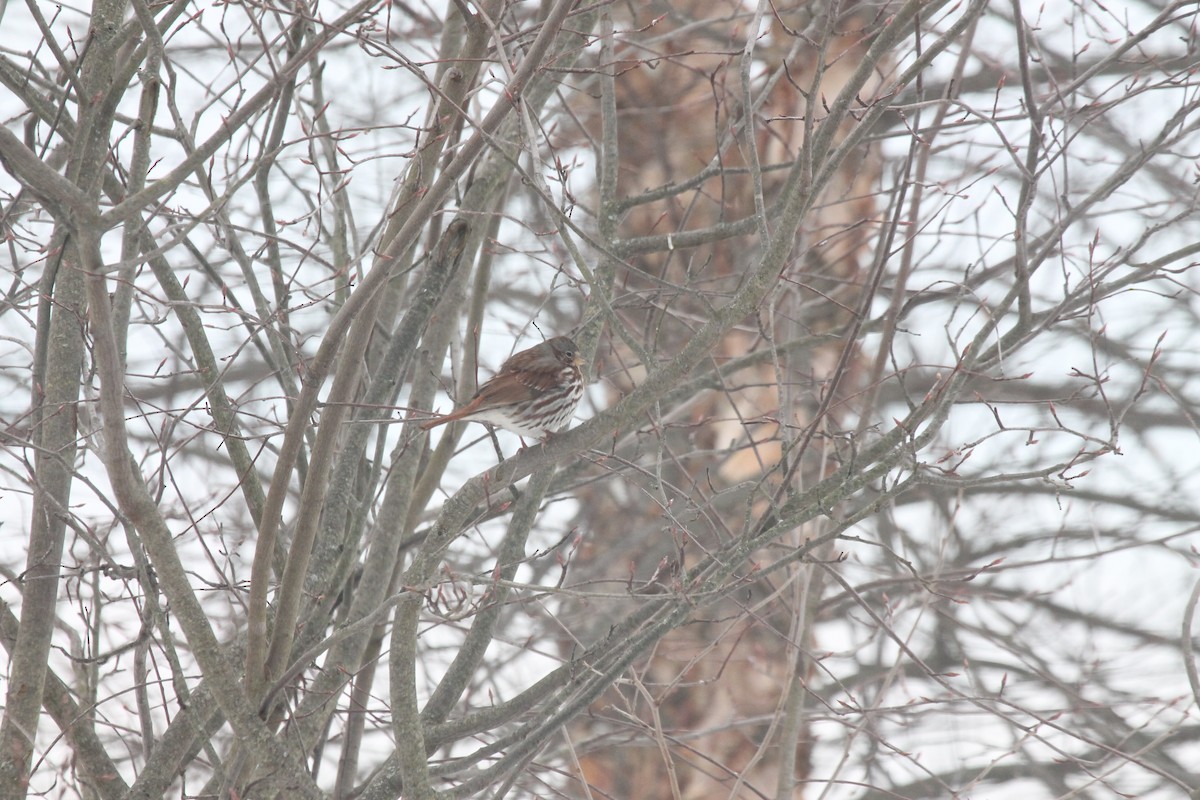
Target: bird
{"x": 534, "y": 394}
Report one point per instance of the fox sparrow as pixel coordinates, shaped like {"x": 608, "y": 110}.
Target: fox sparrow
{"x": 534, "y": 393}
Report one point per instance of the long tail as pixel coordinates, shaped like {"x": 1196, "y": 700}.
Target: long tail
{"x": 433, "y": 423}
{"x": 462, "y": 413}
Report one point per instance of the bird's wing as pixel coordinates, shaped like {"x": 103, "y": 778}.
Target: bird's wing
{"x": 504, "y": 389}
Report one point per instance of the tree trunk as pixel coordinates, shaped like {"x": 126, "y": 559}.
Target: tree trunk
{"x": 717, "y": 710}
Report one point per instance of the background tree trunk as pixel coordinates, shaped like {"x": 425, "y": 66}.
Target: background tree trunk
{"x": 718, "y": 708}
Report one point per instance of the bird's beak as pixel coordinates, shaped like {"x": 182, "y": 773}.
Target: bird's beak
{"x": 579, "y": 361}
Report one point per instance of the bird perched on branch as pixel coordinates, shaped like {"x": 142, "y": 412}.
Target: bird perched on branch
{"x": 535, "y": 392}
